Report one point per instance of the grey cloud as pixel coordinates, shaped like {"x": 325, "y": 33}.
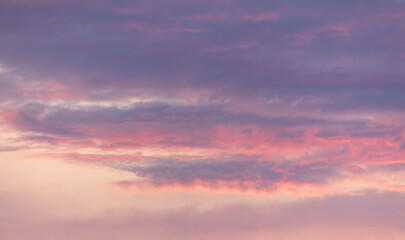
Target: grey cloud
{"x": 83, "y": 47}
{"x": 236, "y": 174}
{"x": 189, "y": 119}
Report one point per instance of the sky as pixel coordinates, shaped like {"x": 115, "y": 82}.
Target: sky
{"x": 202, "y": 119}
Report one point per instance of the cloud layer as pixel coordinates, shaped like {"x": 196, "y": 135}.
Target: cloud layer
{"x": 272, "y": 98}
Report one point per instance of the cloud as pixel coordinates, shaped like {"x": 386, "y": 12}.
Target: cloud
{"x": 258, "y": 17}
{"x": 228, "y": 174}
{"x": 85, "y": 52}
{"x": 258, "y": 98}
{"x": 232, "y": 174}
{"x": 379, "y": 213}
{"x": 62, "y": 120}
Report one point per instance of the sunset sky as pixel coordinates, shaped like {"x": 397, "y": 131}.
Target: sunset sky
{"x": 202, "y": 119}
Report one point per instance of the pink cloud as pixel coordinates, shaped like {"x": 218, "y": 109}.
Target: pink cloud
{"x": 258, "y": 17}
{"x": 209, "y": 17}
{"x": 343, "y": 29}
{"x": 156, "y": 30}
